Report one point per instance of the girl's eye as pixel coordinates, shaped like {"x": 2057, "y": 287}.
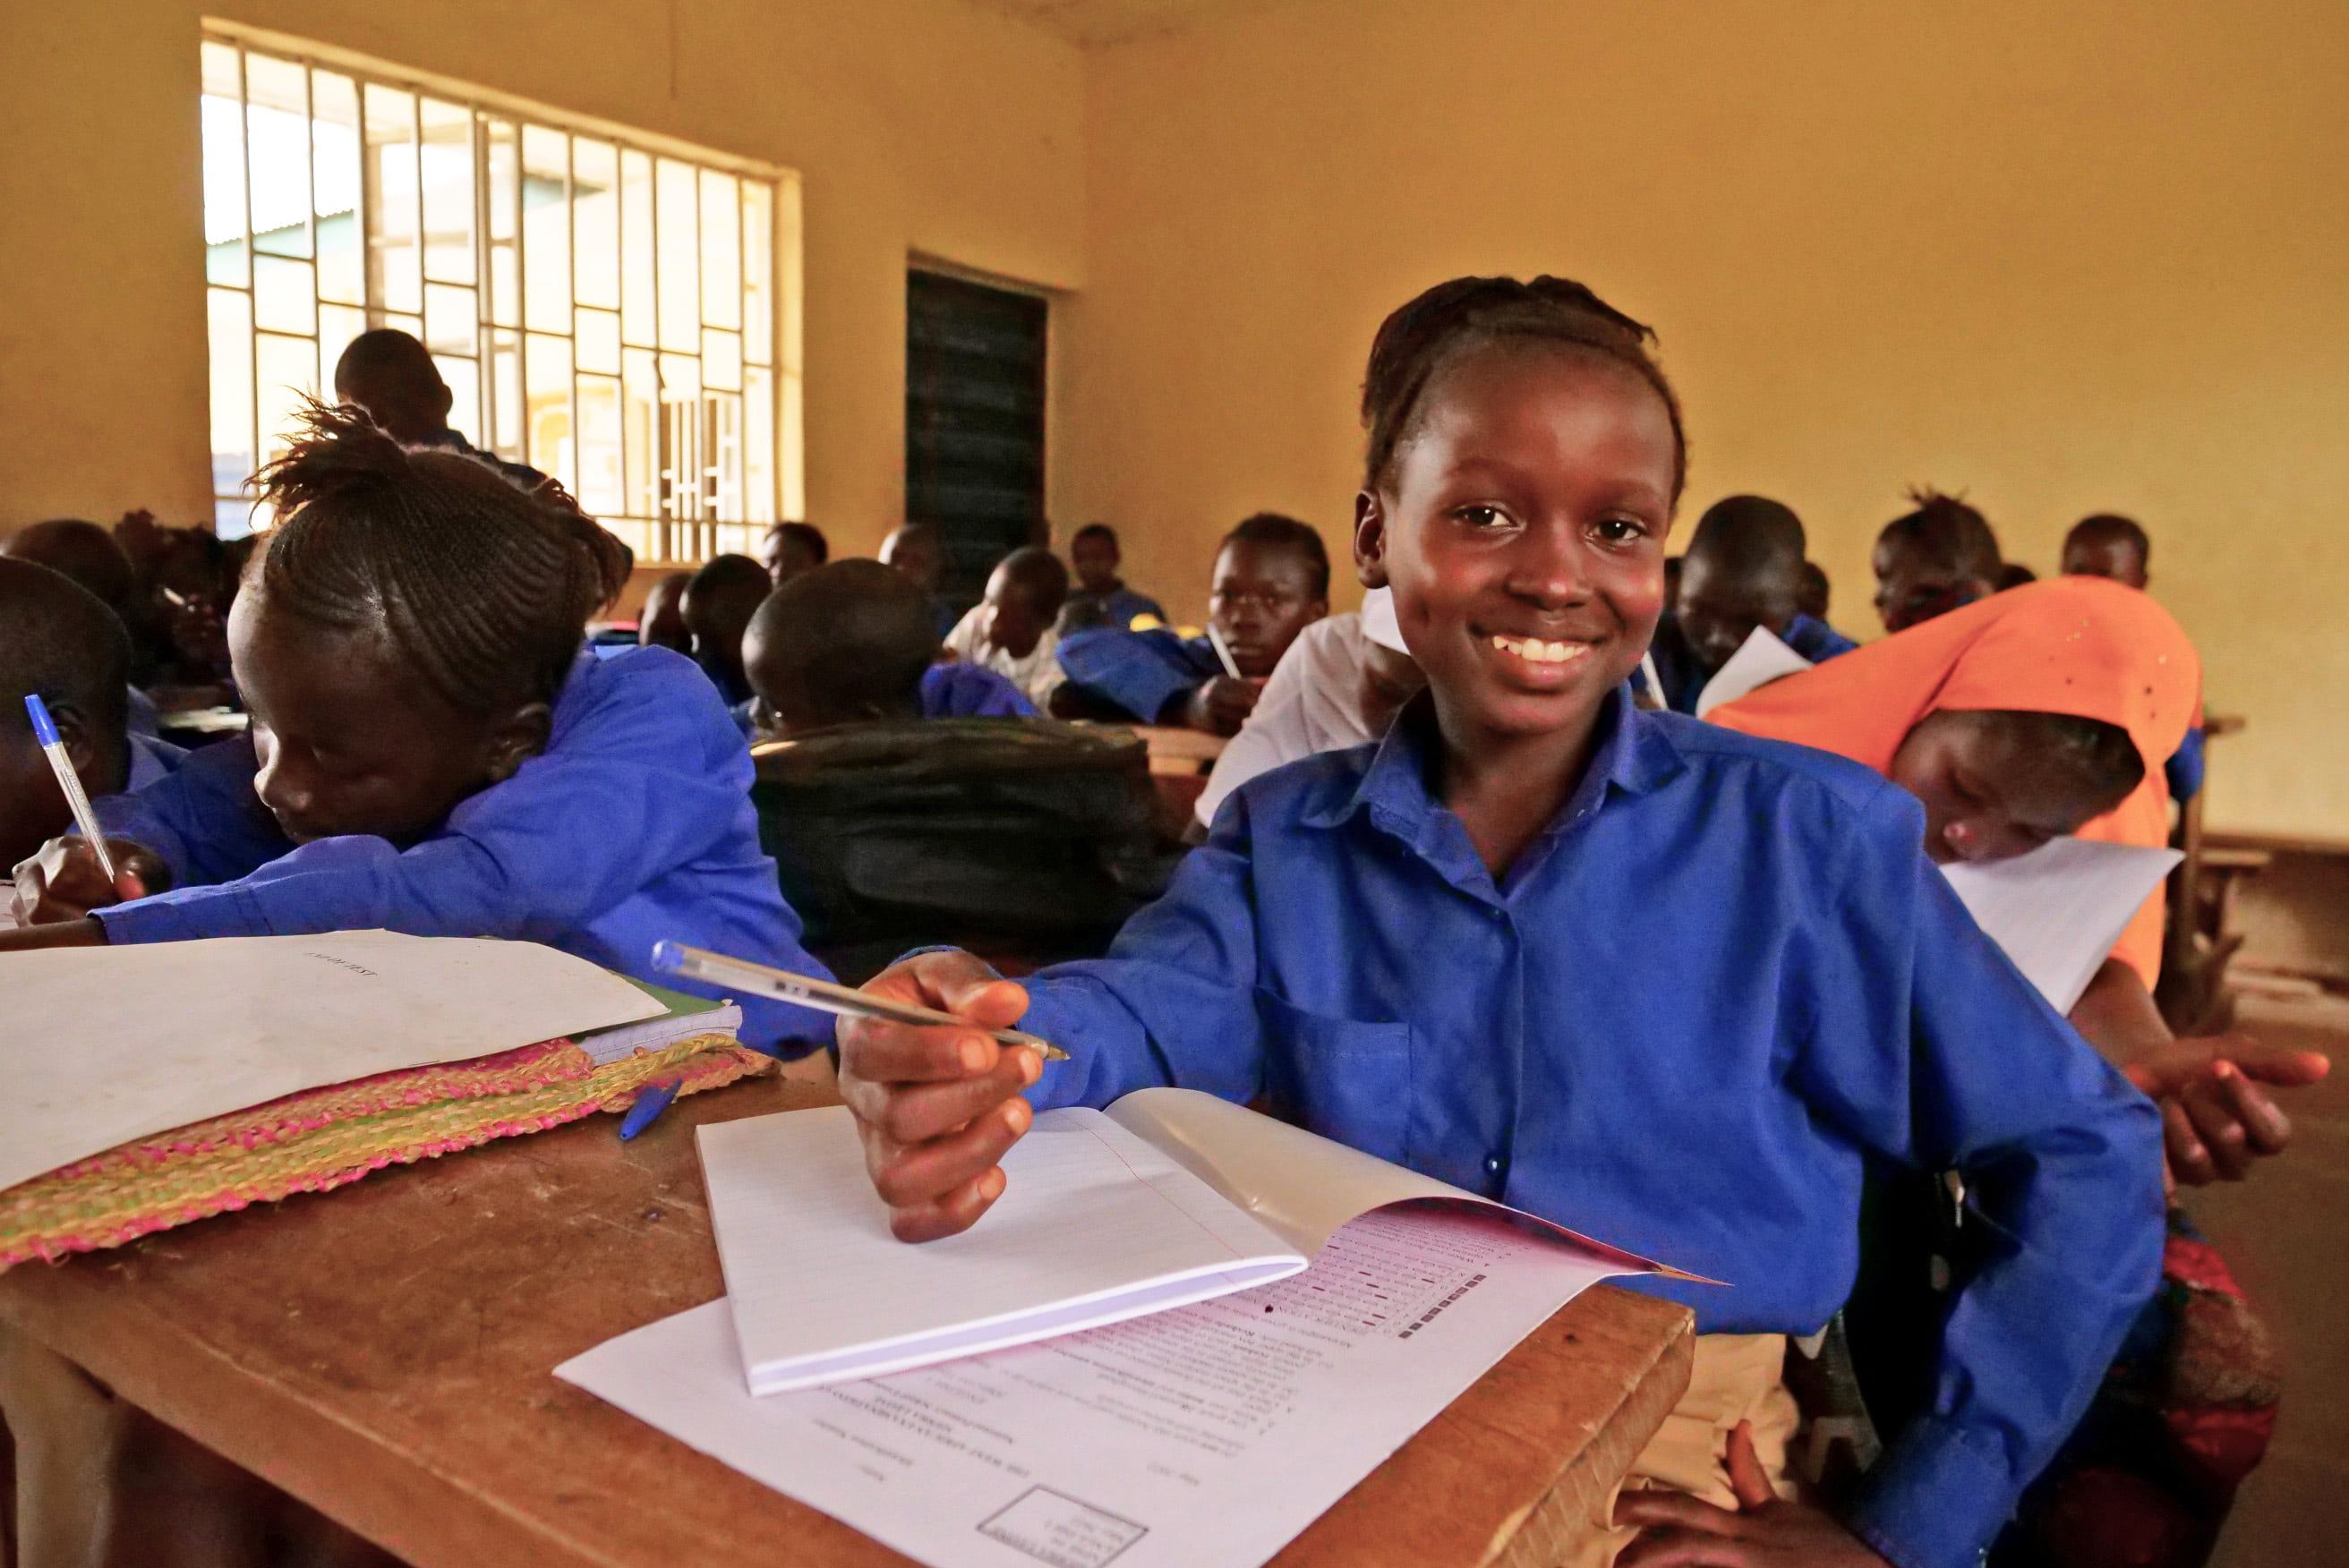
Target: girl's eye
{"x": 1622, "y": 530}
{"x": 1483, "y": 516}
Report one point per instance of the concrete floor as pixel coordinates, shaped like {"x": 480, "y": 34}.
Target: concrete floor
{"x": 2285, "y": 1232}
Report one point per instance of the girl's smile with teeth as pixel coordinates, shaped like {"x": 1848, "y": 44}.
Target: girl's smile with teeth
{"x": 1534, "y": 651}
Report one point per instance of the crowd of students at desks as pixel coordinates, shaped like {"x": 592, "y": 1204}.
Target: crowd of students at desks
{"x": 1500, "y": 918}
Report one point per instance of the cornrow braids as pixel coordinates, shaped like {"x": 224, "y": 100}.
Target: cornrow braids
{"x": 483, "y": 588}
{"x": 1424, "y": 336}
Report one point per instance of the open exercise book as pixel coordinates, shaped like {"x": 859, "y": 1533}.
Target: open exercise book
{"x": 102, "y": 1045}
{"x": 1170, "y": 1197}
{"x": 1203, "y": 1436}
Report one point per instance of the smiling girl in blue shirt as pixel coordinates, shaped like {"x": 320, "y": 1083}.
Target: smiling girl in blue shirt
{"x": 1664, "y": 984}
{"x": 434, "y": 751}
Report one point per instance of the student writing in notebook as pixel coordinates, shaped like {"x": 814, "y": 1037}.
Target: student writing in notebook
{"x": 1658, "y": 981}
{"x": 1271, "y": 579}
{"x": 1743, "y": 570}
{"x": 2042, "y": 711}
{"x": 433, "y": 751}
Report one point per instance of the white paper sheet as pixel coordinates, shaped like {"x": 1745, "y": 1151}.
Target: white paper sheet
{"x": 1203, "y": 1437}
{"x": 102, "y": 1045}
{"x": 1094, "y": 1226}
{"x": 2058, "y": 911}
{"x": 1762, "y": 658}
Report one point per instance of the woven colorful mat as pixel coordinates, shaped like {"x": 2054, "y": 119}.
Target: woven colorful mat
{"x": 324, "y": 1138}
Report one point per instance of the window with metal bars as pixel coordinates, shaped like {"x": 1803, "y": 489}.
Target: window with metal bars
{"x": 603, "y": 310}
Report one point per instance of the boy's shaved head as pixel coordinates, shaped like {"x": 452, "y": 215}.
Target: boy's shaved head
{"x": 1744, "y": 569}
{"x": 840, "y": 645}
{"x": 719, "y": 600}
{"x": 57, "y": 640}
{"x": 392, "y": 376}
{"x": 2108, "y": 545}
{"x": 1936, "y": 558}
{"x": 83, "y": 551}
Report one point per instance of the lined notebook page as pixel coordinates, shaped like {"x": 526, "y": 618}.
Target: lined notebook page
{"x": 1094, "y": 1226}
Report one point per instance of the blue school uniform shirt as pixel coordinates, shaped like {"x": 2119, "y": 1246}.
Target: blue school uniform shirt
{"x": 152, "y": 760}
{"x": 1116, "y": 610}
{"x": 2186, "y": 767}
{"x": 1139, "y": 672}
{"x": 634, "y": 825}
{"x": 1685, "y": 679}
{"x": 960, "y": 690}
{"x": 1719, "y": 980}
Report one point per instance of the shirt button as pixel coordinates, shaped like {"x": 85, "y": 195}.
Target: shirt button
{"x": 1493, "y": 1164}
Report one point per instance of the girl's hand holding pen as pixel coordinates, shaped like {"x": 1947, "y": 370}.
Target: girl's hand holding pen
{"x": 938, "y": 1107}
{"x": 65, "y": 881}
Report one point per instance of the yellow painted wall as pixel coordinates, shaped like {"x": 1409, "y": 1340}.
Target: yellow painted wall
{"x": 926, "y": 127}
{"x": 2068, "y": 257}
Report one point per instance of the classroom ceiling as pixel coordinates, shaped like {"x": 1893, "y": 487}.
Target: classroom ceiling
{"x": 1093, "y": 22}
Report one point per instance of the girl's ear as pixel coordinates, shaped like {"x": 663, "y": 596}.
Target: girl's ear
{"x": 1370, "y": 540}
{"x": 522, "y": 736}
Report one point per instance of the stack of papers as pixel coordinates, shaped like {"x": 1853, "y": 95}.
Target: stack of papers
{"x": 1205, "y": 1435}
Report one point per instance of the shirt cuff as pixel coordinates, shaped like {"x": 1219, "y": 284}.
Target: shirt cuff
{"x": 1938, "y": 1498}
{"x": 186, "y": 915}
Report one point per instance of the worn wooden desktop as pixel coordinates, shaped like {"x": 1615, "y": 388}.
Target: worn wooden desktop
{"x": 385, "y": 1353}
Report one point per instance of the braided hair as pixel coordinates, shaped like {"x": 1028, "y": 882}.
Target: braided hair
{"x": 483, "y": 589}
{"x": 1453, "y": 318}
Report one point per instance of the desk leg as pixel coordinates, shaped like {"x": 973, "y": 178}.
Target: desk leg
{"x": 69, "y": 1437}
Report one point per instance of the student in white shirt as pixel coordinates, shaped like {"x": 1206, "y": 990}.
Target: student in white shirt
{"x": 1339, "y": 685}
{"x": 1011, "y": 630}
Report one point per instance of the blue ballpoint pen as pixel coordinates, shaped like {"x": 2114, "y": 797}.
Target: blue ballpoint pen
{"x": 45, "y": 730}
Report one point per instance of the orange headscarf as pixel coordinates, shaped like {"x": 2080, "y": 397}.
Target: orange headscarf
{"x": 2081, "y": 645}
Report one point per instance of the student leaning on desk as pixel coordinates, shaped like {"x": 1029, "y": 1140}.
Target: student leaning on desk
{"x": 1448, "y": 950}
{"x": 434, "y": 752}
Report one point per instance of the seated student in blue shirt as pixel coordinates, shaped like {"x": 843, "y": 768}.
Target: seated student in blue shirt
{"x": 433, "y": 751}
{"x": 1271, "y": 582}
{"x": 1101, "y": 597}
{"x": 718, "y": 602}
{"x": 1744, "y": 569}
{"x": 2110, "y": 545}
{"x": 853, "y": 642}
{"x": 1668, "y": 985}
{"x": 61, "y": 642}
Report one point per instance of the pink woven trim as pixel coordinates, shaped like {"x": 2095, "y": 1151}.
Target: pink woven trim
{"x": 704, "y": 1069}
{"x": 56, "y": 1249}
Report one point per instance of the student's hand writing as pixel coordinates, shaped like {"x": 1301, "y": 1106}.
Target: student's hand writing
{"x": 2217, "y": 1119}
{"x": 938, "y": 1107}
{"x": 65, "y": 882}
{"x": 1677, "y": 1531}
{"x": 1220, "y": 706}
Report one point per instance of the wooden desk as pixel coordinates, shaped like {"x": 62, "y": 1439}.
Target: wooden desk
{"x": 385, "y": 1353}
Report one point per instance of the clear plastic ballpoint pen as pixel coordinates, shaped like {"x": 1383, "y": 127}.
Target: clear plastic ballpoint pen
{"x": 782, "y": 986}
{"x": 45, "y": 730}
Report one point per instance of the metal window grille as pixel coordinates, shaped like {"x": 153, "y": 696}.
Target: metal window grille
{"x": 603, "y": 310}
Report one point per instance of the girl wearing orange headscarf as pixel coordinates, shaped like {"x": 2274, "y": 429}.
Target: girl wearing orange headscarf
{"x": 2044, "y": 710}
{"x": 2050, "y": 709}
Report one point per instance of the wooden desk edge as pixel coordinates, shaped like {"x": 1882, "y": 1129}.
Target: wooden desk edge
{"x": 211, "y": 1397}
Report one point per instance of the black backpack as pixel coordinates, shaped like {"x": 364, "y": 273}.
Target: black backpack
{"x": 1025, "y": 840}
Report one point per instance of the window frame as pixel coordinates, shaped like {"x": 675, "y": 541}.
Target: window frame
{"x": 684, "y": 526}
